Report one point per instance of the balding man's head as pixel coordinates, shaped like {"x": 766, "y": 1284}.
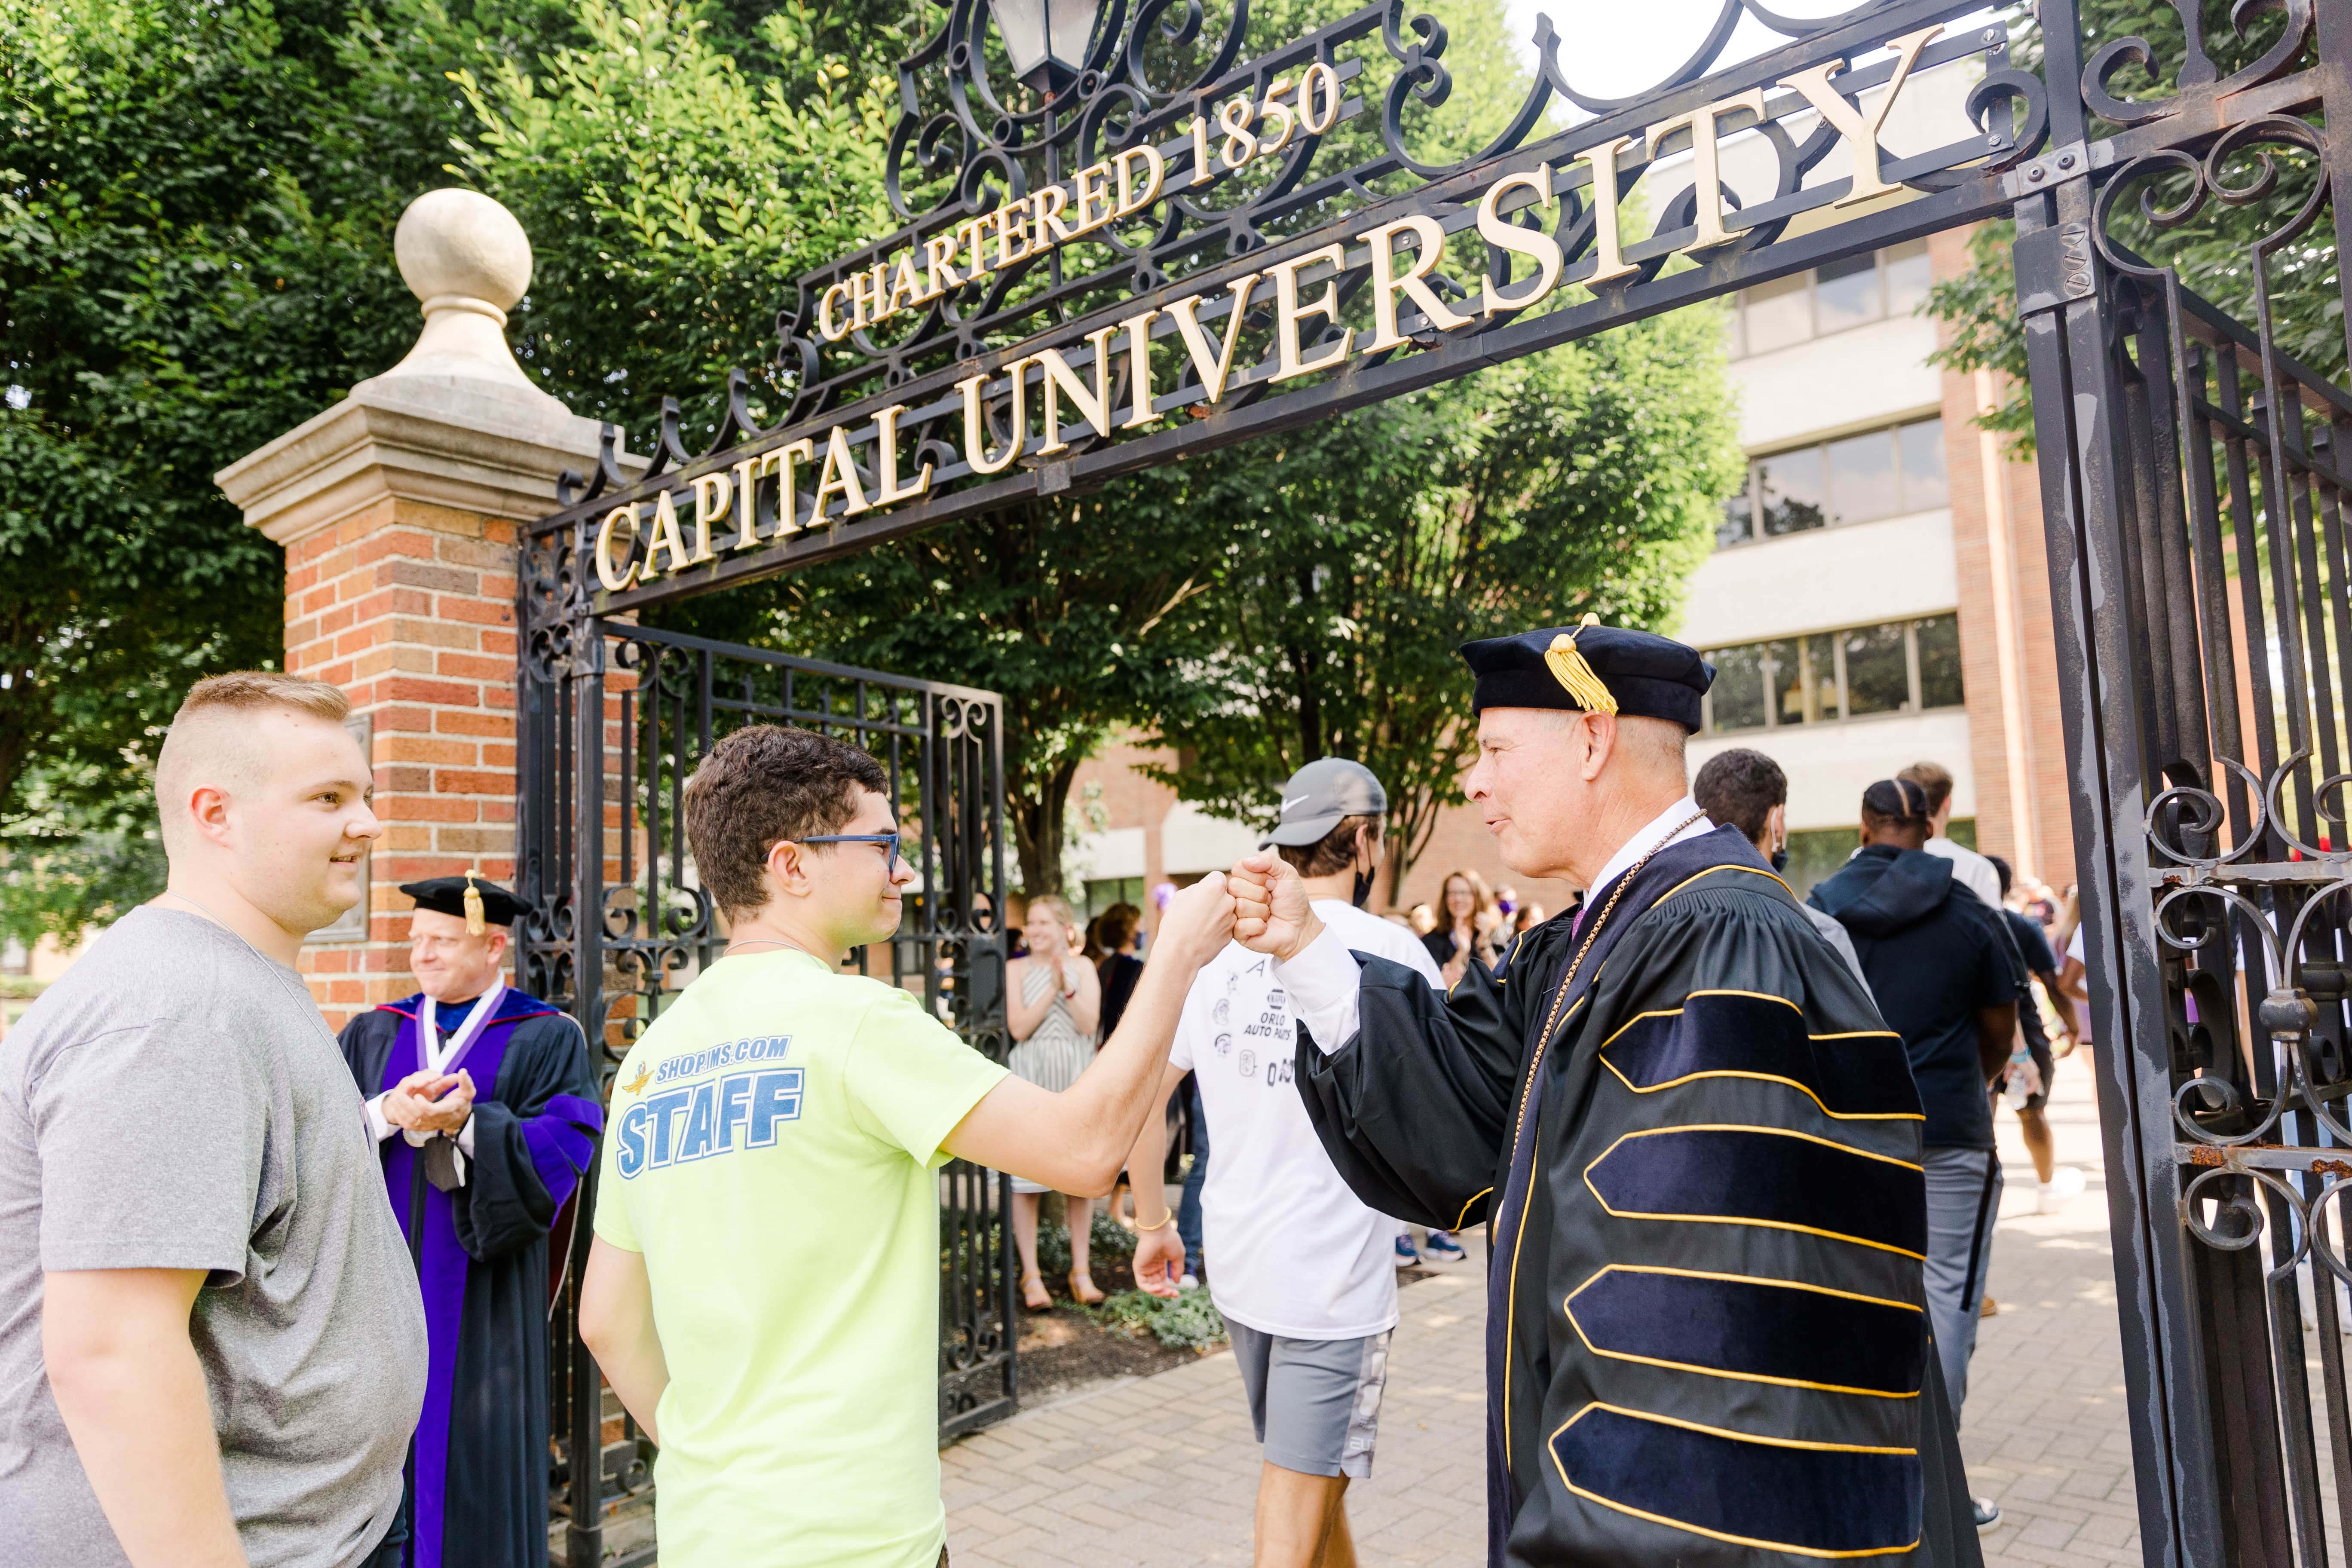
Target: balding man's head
{"x": 1561, "y": 789}
{"x": 220, "y": 738}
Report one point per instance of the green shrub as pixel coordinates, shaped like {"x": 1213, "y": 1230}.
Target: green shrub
{"x": 1109, "y": 1242}
{"x": 1052, "y": 1253}
{"x": 1109, "y": 1238}
{"x": 1188, "y": 1322}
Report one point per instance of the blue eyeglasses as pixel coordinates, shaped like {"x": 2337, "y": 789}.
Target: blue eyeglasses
{"x": 889, "y": 838}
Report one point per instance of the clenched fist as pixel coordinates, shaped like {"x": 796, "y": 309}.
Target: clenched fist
{"x": 1197, "y": 922}
{"x": 1271, "y": 913}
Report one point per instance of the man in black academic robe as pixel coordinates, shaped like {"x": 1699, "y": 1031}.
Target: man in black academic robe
{"x": 1695, "y": 1142}
{"x": 486, "y": 1110}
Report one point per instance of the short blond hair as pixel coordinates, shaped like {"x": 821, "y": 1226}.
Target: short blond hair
{"x": 249, "y": 688}
{"x": 207, "y": 735}
{"x": 1060, "y": 906}
{"x": 1933, "y": 777}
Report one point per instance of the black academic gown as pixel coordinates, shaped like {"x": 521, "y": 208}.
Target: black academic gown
{"x": 1706, "y": 1335}
{"x": 478, "y": 1471}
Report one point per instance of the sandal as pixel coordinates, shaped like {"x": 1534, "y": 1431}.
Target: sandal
{"x": 1034, "y": 1294}
{"x": 1084, "y": 1294}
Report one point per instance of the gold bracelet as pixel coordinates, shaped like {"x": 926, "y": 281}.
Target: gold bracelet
{"x": 1140, "y": 1228}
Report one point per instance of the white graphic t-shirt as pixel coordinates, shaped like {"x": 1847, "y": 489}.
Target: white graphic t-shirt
{"x": 1290, "y": 1249}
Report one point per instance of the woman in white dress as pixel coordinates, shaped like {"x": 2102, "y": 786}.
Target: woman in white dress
{"x": 1054, "y": 1001}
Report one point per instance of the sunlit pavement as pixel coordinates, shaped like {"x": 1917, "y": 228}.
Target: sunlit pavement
{"x": 2044, "y": 1431}
{"x": 1163, "y": 1470}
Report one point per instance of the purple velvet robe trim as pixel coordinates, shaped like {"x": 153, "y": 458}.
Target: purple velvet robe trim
{"x": 560, "y": 1148}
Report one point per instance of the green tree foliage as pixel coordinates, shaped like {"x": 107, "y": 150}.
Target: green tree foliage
{"x": 1588, "y": 478}
{"x": 676, "y": 167}
{"x": 181, "y": 279}
{"x": 196, "y": 209}
{"x": 2210, "y": 250}
{"x": 73, "y": 865}
{"x": 1301, "y": 596}
{"x": 1069, "y": 609}
{"x": 195, "y": 252}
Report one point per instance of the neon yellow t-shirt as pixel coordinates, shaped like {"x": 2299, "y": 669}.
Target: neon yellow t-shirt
{"x": 773, "y": 1139}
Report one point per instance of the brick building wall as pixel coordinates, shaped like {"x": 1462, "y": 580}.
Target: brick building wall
{"x": 410, "y": 608}
{"x": 1460, "y": 842}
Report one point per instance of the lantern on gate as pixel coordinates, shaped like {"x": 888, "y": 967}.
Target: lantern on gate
{"x": 1047, "y": 39}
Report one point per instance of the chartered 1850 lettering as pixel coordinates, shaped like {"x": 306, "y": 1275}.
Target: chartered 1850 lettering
{"x": 1047, "y": 395}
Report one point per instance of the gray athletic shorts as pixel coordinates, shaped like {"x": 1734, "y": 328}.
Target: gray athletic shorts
{"x": 1316, "y": 1403}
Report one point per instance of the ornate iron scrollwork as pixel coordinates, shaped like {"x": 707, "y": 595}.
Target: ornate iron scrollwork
{"x": 2197, "y": 77}
{"x": 1247, "y": 167}
{"x": 2288, "y": 917}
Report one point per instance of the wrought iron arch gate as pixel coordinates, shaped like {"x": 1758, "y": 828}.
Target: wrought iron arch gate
{"x": 2194, "y": 485}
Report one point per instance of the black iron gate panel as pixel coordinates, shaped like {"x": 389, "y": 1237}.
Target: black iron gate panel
{"x": 611, "y": 731}
{"x": 2194, "y": 491}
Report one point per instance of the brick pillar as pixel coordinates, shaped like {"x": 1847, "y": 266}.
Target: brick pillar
{"x": 398, "y": 509}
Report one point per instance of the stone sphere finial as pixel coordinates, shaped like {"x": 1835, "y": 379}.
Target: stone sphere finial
{"x": 469, "y": 261}
{"x": 460, "y": 247}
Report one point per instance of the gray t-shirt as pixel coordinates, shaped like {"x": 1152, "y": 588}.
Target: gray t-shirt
{"x": 1834, "y": 931}
{"x": 176, "y": 1101}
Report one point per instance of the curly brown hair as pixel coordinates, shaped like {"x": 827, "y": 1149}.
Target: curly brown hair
{"x": 761, "y": 786}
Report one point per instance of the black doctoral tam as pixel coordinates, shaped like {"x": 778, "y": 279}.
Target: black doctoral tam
{"x": 1590, "y": 669}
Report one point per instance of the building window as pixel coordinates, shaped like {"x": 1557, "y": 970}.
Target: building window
{"x": 1102, "y": 892}
{"x": 1855, "y": 479}
{"x": 1853, "y": 293}
{"x": 1817, "y": 854}
{"x": 1739, "y": 689}
{"x": 1898, "y": 667}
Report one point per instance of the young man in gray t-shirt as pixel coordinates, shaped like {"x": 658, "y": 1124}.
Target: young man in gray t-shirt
{"x": 212, "y": 1350}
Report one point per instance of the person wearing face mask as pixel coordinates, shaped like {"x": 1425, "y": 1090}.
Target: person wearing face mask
{"x": 1297, "y": 1264}
{"x": 1747, "y": 790}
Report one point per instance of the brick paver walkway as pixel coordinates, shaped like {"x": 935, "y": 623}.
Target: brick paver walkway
{"x": 2044, "y": 1429}
{"x": 1163, "y": 1471}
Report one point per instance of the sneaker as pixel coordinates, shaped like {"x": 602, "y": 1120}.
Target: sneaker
{"x": 1406, "y": 1258}
{"x": 2049, "y": 1196}
{"x": 1444, "y": 1247}
{"x": 1189, "y": 1282}
{"x": 1988, "y": 1512}
{"x": 1988, "y": 1307}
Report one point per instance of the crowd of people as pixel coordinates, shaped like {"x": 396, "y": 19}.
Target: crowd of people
{"x": 1746, "y": 788}
{"x": 271, "y": 1297}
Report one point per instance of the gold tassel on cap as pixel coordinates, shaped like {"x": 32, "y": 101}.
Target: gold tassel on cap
{"x": 475, "y": 922}
{"x": 1569, "y": 668}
